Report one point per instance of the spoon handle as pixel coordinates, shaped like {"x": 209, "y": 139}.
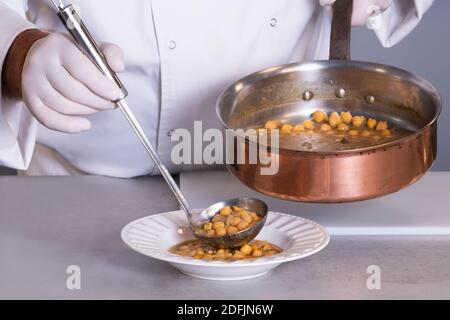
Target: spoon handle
{"x": 152, "y": 153}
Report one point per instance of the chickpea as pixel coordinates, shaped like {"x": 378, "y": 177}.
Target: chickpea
{"x": 308, "y": 124}
{"x": 319, "y": 116}
{"x": 207, "y": 226}
{"x": 386, "y": 132}
{"x": 236, "y": 208}
{"x": 211, "y": 233}
{"x": 199, "y": 254}
{"x": 232, "y": 229}
{"x": 372, "y": 123}
{"x": 353, "y": 132}
{"x": 299, "y": 128}
{"x": 382, "y": 125}
{"x": 236, "y": 214}
{"x": 235, "y": 222}
{"x": 334, "y": 119}
{"x": 242, "y": 225}
{"x": 218, "y": 224}
{"x": 343, "y": 127}
{"x": 246, "y": 249}
{"x": 218, "y": 218}
{"x": 221, "y": 231}
{"x": 226, "y": 211}
{"x": 366, "y": 133}
{"x": 229, "y": 219}
{"x": 247, "y": 218}
{"x": 254, "y": 216}
{"x": 271, "y": 124}
{"x": 257, "y": 253}
{"x": 238, "y": 255}
{"x": 325, "y": 128}
{"x": 197, "y": 250}
{"x": 287, "y": 129}
{"x": 358, "y": 121}
{"x": 346, "y": 117}
{"x": 220, "y": 256}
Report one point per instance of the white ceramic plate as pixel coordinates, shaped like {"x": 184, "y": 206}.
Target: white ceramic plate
{"x": 154, "y": 235}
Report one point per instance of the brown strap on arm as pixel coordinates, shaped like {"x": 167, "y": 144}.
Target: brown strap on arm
{"x": 15, "y": 60}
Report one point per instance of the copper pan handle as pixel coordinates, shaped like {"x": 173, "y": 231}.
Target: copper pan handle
{"x": 341, "y": 30}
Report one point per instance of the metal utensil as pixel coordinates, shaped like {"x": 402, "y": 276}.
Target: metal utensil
{"x": 75, "y": 26}
{"x": 292, "y": 92}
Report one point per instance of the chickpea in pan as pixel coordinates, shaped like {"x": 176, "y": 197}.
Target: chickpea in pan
{"x": 325, "y": 128}
{"x": 366, "y": 133}
{"x": 334, "y": 119}
{"x": 346, "y": 117}
{"x": 382, "y": 125}
{"x": 287, "y": 129}
{"x": 371, "y": 123}
{"x": 308, "y": 124}
{"x": 343, "y": 127}
{"x": 358, "y": 121}
{"x": 319, "y": 116}
{"x": 299, "y": 129}
{"x": 271, "y": 124}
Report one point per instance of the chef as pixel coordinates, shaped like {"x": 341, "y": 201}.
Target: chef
{"x": 56, "y": 115}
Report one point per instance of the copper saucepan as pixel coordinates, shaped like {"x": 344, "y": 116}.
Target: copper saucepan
{"x": 294, "y": 91}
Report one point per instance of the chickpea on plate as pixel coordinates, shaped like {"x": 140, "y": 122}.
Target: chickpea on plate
{"x": 227, "y": 221}
{"x": 199, "y": 250}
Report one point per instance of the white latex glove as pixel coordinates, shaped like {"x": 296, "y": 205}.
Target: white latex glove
{"x": 363, "y": 9}
{"x": 60, "y": 84}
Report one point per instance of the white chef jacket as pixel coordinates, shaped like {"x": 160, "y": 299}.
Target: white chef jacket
{"x": 179, "y": 56}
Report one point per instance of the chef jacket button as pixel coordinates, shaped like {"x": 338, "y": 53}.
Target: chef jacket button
{"x": 273, "y": 22}
{"x": 172, "y": 45}
{"x": 170, "y": 133}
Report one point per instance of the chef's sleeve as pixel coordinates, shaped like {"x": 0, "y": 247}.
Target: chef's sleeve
{"x": 17, "y": 126}
{"x": 399, "y": 20}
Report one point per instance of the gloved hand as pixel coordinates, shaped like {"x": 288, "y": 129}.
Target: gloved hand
{"x": 60, "y": 84}
{"x": 362, "y": 9}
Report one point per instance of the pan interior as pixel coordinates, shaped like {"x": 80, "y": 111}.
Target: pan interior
{"x": 407, "y": 102}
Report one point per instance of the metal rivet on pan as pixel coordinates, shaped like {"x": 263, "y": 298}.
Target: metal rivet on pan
{"x": 170, "y": 133}
{"x": 307, "y": 95}
{"x": 273, "y": 22}
{"x": 340, "y": 93}
{"x": 172, "y": 44}
{"x": 370, "y": 99}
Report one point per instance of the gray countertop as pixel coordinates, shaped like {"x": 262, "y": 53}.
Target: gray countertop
{"x": 47, "y": 224}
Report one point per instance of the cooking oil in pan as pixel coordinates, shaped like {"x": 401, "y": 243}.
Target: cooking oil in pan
{"x": 316, "y": 140}
{"x": 331, "y": 141}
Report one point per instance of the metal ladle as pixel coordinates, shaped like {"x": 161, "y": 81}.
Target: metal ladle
{"x": 87, "y": 44}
